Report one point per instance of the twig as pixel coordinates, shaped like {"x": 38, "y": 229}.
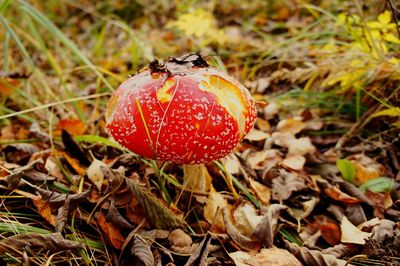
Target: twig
{"x": 395, "y": 12}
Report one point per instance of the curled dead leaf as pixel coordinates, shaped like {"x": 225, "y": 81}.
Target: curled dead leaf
{"x": 271, "y": 256}
{"x": 111, "y": 231}
{"x": 44, "y": 210}
{"x": 262, "y": 192}
{"x": 256, "y": 135}
{"x": 292, "y": 125}
{"x": 232, "y": 164}
{"x": 142, "y": 252}
{"x": 73, "y": 126}
{"x": 246, "y": 218}
{"x": 260, "y": 159}
{"x": 338, "y": 195}
{"x": 270, "y": 110}
{"x": 241, "y": 240}
{"x": 95, "y": 173}
{"x": 196, "y": 177}
{"x": 52, "y": 242}
{"x": 352, "y": 234}
{"x": 300, "y": 146}
{"x": 178, "y": 238}
{"x": 267, "y": 227}
{"x": 285, "y": 184}
{"x": 214, "y": 201}
{"x": 294, "y": 161}
{"x": 313, "y": 257}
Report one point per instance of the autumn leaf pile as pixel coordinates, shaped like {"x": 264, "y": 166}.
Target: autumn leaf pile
{"x": 316, "y": 182}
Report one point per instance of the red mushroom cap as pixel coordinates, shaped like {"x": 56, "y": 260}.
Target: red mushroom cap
{"x": 183, "y": 111}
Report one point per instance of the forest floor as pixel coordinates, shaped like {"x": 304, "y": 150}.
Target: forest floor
{"x": 316, "y": 182}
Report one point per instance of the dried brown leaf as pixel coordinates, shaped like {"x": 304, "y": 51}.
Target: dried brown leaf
{"x": 285, "y": 184}
{"x": 381, "y": 202}
{"x": 256, "y": 135}
{"x": 262, "y": 192}
{"x": 44, "y": 210}
{"x": 282, "y": 138}
{"x": 57, "y": 199}
{"x": 178, "y": 238}
{"x": 95, "y": 174}
{"x": 314, "y": 124}
{"x": 308, "y": 207}
{"x": 331, "y": 233}
{"x": 62, "y": 215}
{"x": 232, "y": 164}
{"x": 141, "y": 252}
{"x": 52, "y": 242}
{"x": 355, "y": 214}
{"x": 351, "y": 189}
{"x": 214, "y": 201}
{"x": 246, "y": 218}
{"x": 384, "y": 230}
{"x": 271, "y": 256}
{"x": 267, "y": 227}
{"x": 270, "y": 110}
{"x": 241, "y": 240}
{"x": 294, "y": 161}
{"x": 72, "y": 126}
{"x": 73, "y": 162}
{"x": 338, "y": 195}
{"x": 366, "y": 168}
{"x": 156, "y": 212}
{"x": 313, "y": 257}
{"x": 38, "y": 132}
{"x": 196, "y": 177}
{"x": 292, "y": 125}
{"x": 111, "y": 231}
{"x": 199, "y": 256}
{"x": 27, "y": 171}
{"x": 115, "y": 217}
{"x": 300, "y": 146}
{"x": 341, "y": 250}
{"x": 351, "y": 234}
{"x": 261, "y": 159}
{"x": 73, "y": 148}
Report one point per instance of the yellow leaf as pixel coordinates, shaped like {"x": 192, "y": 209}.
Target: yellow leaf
{"x": 365, "y": 173}
{"x": 385, "y": 17}
{"x": 374, "y": 25}
{"x": 199, "y": 24}
{"x": 390, "y": 37}
{"x": 395, "y": 111}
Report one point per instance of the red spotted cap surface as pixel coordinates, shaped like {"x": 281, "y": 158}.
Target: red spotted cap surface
{"x": 182, "y": 111}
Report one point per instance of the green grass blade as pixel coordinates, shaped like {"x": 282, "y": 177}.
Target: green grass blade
{"x": 4, "y": 6}
{"x": 23, "y": 50}
{"x": 6, "y": 50}
{"x": 93, "y": 139}
{"x": 15, "y": 227}
{"x": 56, "y": 32}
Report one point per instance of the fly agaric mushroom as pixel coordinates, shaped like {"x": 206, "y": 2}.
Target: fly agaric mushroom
{"x": 182, "y": 111}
